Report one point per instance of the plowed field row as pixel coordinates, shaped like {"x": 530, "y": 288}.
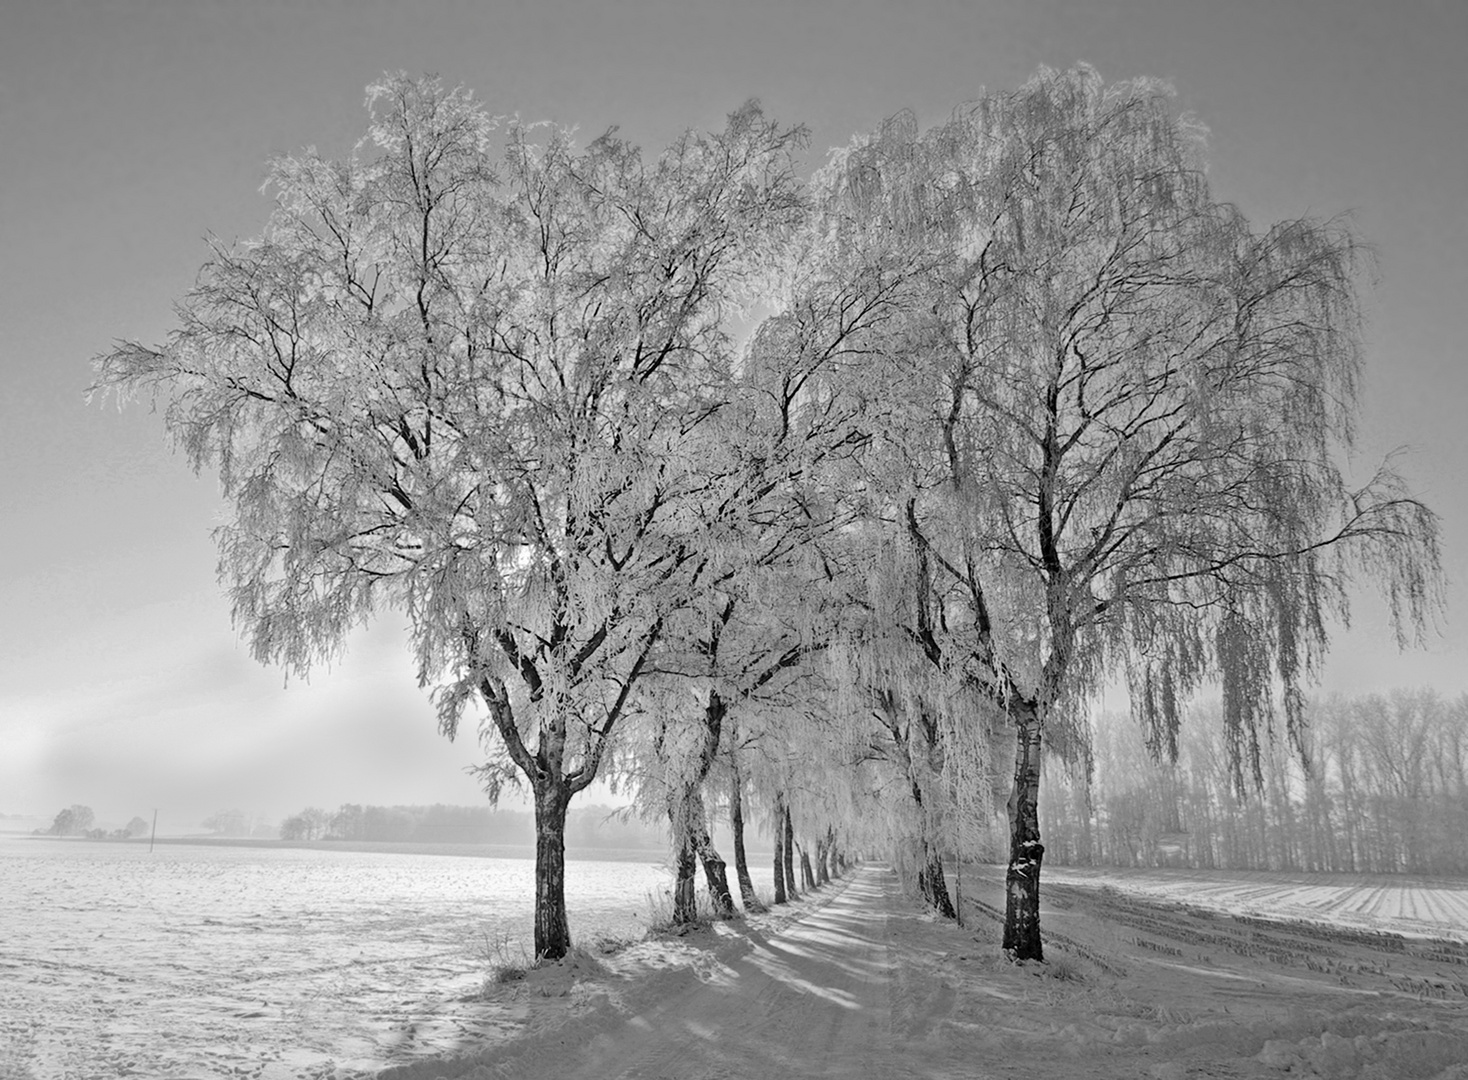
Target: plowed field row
{"x": 1413, "y": 907}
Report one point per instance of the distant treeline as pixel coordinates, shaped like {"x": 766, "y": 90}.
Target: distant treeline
{"x": 78, "y": 820}
{"x": 1385, "y": 791}
{"x": 587, "y": 826}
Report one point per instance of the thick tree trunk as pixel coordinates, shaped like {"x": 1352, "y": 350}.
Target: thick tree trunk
{"x": 691, "y": 834}
{"x": 715, "y": 873}
{"x": 823, "y": 876}
{"x": 1022, "y": 878}
{"x": 933, "y": 884}
{"x": 741, "y": 860}
{"x": 552, "y": 929}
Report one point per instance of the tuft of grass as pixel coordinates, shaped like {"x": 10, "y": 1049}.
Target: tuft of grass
{"x": 510, "y": 962}
{"x": 1064, "y": 969}
{"x": 660, "y": 914}
{"x": 506, "y": 958}
{"x": 659, "y": 911}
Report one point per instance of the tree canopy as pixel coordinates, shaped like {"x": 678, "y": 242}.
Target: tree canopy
{"x": 1127, "y": 417}
{"x": 968, "y": 425}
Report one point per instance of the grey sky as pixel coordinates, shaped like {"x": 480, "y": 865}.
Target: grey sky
{"x": 128, "y": 131}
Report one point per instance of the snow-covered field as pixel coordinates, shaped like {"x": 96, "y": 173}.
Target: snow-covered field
{"x": 205, "y": 961}
{"x": 1403, "y": 905}
{"x": 208, "y": 963}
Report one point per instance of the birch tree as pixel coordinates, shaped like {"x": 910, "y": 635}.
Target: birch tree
{"x": 1131, "y": 419}
{"x": 774, "y": 597}
{"x": 738, "y": 662}
{"x": 770, "y": 599}
{"x": 747, "y": 895}
{"x": 471, "y": 373}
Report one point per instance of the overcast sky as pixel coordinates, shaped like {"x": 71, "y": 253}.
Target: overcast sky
{"x": 130, "y": 130}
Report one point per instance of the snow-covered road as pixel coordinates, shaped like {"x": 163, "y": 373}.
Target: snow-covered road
{"x": 857, "y": 982}
{"x": 810, "y": 999}
{"x": 811, "y": 1002}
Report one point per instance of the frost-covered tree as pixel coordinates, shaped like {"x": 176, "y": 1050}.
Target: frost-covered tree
{"x": 849, "y": 282}
{"x": 735, "y": 750}
{"x": 1129, "y": 419}
{"x": 917, "y": 713}
{"x": 771, "y": 599}
{"x": 684, "y": 744}
{"x": 470, "y": 373}
{"x": 737, "y": 658}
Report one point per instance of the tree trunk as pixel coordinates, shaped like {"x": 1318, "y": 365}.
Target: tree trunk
{"x": 685, "y": 900}
{"x": 552, "y": 929}
{"x": 958, "y": 886}
{"x": 691, "y": 834}
{"x": 805, "y": 875}
{"x": 780, "y": 897}
{"x": 790, "y": 888}
{"x": 741, "y": 860}
{"x": 1022, "y": 878}
{"x": 715, "y": 873}
{"x": 933, "y": 884}
{"x": 823, "y": 875}
{"x": 690, "y": 826}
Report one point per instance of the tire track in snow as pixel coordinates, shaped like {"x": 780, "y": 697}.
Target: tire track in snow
{"x": 811, "y": 1001}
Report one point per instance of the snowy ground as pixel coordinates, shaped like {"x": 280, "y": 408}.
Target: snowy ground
{"x": 855, "y": 981}
{"x": 1426, "y": 907}
{"x": 269, "y": 962}
{"x": 1152, "y": 974}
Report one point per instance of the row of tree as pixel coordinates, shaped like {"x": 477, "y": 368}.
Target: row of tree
{"x": 236, "y": 823}
{"x": 586, "y": 826}
{"x": 792, "y": 494}
{"x": 79, "y": 820}
{"x": 1380, "y": 788}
